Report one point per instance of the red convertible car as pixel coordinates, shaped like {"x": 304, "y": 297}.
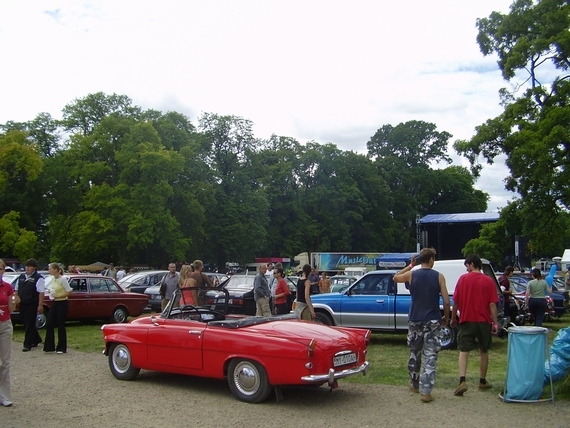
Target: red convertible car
{"x": 255, "y": 354}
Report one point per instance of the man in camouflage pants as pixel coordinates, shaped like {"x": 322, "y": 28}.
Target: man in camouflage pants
{"x": 426, "y": 285}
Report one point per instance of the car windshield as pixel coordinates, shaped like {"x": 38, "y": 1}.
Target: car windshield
{"x": 135, "y": 278}
{"x": 238, "y": 282}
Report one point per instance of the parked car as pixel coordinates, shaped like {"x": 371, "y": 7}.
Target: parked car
{"x": 377, "y": 303}
{"x": 240, "y": 289}
{"x": 339, "y": 283}
{"x": 138, "y": 282}
{"x": 251, "y": 352}
{"x": 94, "y": 297}
{"x": 217, "y": 278}
{"x": 154, "y": 298}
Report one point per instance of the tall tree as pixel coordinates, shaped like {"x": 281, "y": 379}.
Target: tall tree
{"x": 238, "y": 226}
{"x": 84, "y": 114}
{"x": 404, "y": 156}
{"x": 532, "y": 43}
{"x": 20, "y": 212}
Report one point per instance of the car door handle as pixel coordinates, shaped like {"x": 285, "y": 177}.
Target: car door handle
{"x": 195, "y": 332}
{"x": 379, "y": 301}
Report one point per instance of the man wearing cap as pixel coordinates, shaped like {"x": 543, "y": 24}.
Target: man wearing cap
{"x": 30, "y": 289}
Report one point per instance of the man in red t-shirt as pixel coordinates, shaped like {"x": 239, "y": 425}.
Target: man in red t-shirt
{"x": 475, "y": 297}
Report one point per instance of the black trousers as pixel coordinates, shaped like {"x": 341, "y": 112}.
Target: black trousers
{"x": 56, "y": 317}
{"x": 29, "y": 313}
{"x": 537, "y": 307}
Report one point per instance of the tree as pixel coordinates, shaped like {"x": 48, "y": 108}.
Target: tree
{"x": 84, "y": 114}
{"x": 532, "y": 43}
{"x": 238, "y": 214}
{"x": 20, "y": 168}
{"x": 404, "y": 156}
{"x": 16, "y": 240}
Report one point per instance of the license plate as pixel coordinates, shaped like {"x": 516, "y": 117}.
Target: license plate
{"x": 341, "y": 360}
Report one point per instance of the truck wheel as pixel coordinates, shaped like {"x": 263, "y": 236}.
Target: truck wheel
{"x": 324, "y": 318}
{"x": 448, "y": 338}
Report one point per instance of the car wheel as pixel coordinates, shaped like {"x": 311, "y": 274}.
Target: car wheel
{"x": 248, "y": 381}
{"x": 120, "y": 362}
{"x": 323, "y": 318}
{"x": 41, "y": 320}
{"x": 448, "y": 338}
{"x": 119, "y": 315}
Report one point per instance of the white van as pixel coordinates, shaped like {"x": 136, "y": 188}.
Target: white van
{"x": 453, "y": 269}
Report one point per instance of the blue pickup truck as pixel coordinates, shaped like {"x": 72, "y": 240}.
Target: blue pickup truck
{"x": 377, "y": 303}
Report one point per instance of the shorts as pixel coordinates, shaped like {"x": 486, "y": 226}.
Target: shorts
{"x": 472, "y": 333}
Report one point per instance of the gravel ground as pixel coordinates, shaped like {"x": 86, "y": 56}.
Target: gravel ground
{"x": 77, "y": 390}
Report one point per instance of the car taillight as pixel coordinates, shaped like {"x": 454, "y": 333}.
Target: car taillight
{"x": 311, "y": 347}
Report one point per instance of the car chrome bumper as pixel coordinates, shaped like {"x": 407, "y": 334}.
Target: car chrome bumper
{"x": 332, "y": 375}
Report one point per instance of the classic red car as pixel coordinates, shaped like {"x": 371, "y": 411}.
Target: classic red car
{"x": 255, "y": 354}
{"x": 94, "y": 297}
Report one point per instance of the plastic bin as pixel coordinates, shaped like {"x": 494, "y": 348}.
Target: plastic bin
{"x": 525, "y": 364}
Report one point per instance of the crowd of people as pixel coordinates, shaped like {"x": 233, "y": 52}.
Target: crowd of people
{"x": 475, "y": 298}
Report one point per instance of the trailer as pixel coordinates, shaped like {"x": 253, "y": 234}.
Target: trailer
{"x": 335, "y": 262}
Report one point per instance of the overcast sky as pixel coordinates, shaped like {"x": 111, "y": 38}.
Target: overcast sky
{"x": 330, "y": 71}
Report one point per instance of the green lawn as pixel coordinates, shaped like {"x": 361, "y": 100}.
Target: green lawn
{"x": 387, "y": 353}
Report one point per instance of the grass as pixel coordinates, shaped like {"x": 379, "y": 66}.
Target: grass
{"x": 388, "y": 356}
{"x": 387, "y": 353}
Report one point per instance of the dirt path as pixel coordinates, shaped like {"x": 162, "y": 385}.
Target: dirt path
{"x": 78, "y": 390}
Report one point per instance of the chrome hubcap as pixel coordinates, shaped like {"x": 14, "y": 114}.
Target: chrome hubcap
{"x": 246, "y": 378}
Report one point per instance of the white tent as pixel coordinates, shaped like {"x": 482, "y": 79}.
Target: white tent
{"x": 566, "y": 260}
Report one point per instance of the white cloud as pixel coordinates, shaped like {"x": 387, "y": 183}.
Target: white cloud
{"x": 329, "y": 71}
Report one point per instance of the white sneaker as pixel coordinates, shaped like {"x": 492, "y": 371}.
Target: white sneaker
{"x": 6, "y": 403}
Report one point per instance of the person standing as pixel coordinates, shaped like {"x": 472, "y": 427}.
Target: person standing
{"x": 273, "y": 281}
{"x": 426, "y": 285}
{"x": 7, "y": 306}
{"x": 281, "y": 292}
{"x": 303, "y": 305}
{"x": 30, "y": 290}
{"x": 535, "y": 296}
{"x": 567, "y": 280}
{"x": 202, "y": 280}
{"x": 324, "y": 283}
{"x": 168, "y": 285}
{"x": 185, "y": 281}
{"x": 112, "y": 272}
{"x": 506, "y": 290}
{"x": 121, "y": 273}
{"x": 314, "y": 279}
{"x": 261, "y": 293}
{"x": 475, "y": 297}
{"x": 59, "y": 292}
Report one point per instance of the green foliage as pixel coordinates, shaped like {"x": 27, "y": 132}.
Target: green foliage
{"x": 403, "y": 155}
{"x": 133, "y": 186}
{"x": 16, "y": 240}
{"x": 533, "y": 49}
